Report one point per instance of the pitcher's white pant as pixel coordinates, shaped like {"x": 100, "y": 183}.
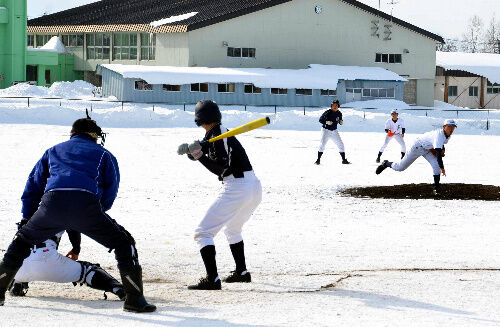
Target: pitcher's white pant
{"x": 333, "y": 135}
{"x": 46, "y": 264}
{"x": 398, "y": 138}
{"x": 232, "y": 208}
{"x": 417, "y": 151}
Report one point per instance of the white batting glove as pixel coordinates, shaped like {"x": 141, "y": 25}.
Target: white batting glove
{"x": 329, "y": 122}
{"x": 183, "y": 149}
{"x": 195, "y": 150}
{"x": 341, "y": 122}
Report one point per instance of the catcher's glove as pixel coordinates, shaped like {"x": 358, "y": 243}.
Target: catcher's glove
{"x": 433, "y": 151}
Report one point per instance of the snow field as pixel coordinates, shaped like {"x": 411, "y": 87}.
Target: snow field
{"x": 303, "y": 236}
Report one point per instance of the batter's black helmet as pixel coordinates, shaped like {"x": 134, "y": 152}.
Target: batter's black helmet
{"x": 206, "y": 112}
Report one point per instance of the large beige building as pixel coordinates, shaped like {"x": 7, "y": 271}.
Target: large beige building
{"x": 245, "y": 33}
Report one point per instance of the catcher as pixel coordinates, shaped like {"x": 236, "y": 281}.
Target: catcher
{"x": 430, "y": 146}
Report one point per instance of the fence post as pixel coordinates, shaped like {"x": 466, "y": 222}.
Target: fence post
{"x": 457, "y": 113}
{"x": 245, "y": 107}
{"x": 364, "y": 115}
{"x": 28, "y": 102}
{"x": 275, "y": 109}
{"x": 153, "y": 107}
{"x": 426, "y": 113}
{"x": 304, "y": 110}
{"x": 91, "y": 107}
{"x": 184, "y": 106}
{"x": 488, "y": 121}
{"x": 60, "y": 103}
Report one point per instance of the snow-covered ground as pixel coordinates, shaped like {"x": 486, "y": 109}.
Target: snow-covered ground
{"x": 316, "y": 258}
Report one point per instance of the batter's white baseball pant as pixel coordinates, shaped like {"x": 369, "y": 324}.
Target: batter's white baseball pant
{"x": 417, "y": 151}
{"x": 232, "y": 209}
{"x": 46, "y": 264}
{"x": 398, "y": 139}
{"x": 330, "y": 135}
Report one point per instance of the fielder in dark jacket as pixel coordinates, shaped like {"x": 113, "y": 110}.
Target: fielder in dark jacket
{"x": 330, "y": 120}
{"x": 70, "y": 188}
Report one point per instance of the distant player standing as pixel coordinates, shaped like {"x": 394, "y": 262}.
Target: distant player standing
{"x": 242, "y": 193}
{"x": 330, "y": 119}
{"x": 395, "y": 129}
{"x": 430, "y": 146}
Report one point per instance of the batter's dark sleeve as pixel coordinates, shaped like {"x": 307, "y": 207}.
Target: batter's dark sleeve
{"x": 323, "y": 118}
{"x": 218, "y": 161}
{"x": 35, "y": 186}
{"x": 404, "y": 130}
{"x": 75, "y": 239}
{"x": 439, "y": 156}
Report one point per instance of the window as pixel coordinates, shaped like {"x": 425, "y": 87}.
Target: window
{"x": 493, "y": 88}
{"x": 452, "y": 91}
{"x": 390, "y": 58}
{"x": 378, "y": 93}
{"x": 72, "y": 40}
{"x": 171, "y": 88}
{"x": 225, "y": 88}
{"x": 329, "y": 92}
{"x": 199, "y": 87}
{"x": 148, "y": 46}
{"x": 124, "y": 46}
{"x": 41, "y": 40}
{"x": 143, "y": 86}
{"x": 250, "y": 88}
{"x": 98, "y": 46}
{"x": 304, "y": 92}
{"x": 241, "y": 52}
{"x": 473, "y": 91}
{"x": 279, "y": 91}
{"x": 30, "y": 40}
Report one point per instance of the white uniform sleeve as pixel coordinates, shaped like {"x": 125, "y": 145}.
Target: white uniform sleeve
{"x": 403, "y": 124}
{"x": 388, "y": 124}
{"x": 439, "y": 140}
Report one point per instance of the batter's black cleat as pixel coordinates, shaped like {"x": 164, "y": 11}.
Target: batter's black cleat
{"x": 206, "y": 284}
{"x": 317, "y": 162}
{"x": 19, "y": 289}
{"x": 132, "y": 285}
{"x": 345, "y": 162}
{"x": 381, "y": 167}
{"x": 236, "y": 277}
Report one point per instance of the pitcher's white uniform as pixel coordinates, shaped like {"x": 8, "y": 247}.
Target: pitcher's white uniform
{"x": 395, "y": 127}
{"x": 421, "y": 147}
{"x": 46, "y": 264}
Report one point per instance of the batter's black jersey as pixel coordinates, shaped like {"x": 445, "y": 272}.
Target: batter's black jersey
{"x": 334, "y": 116}
{"x": 224, "y": 157}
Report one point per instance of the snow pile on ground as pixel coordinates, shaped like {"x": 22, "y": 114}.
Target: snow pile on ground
{"x": 387, "y": 104}
{"x": 483, "y": 64}
{"x": 65, "y": 90}
{"x": 314, "y": 77}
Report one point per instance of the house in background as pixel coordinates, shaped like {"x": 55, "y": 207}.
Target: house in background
{"x": 317, "y": 85}
{"x": 277, "y": 34}
{"x": 468, "y": 79}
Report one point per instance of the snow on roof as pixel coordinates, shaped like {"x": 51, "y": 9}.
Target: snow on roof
{"x": 483, "y": 64}
{"x": 173, "y": 19}
{"x": 315, "y": 77}
{"x": 54, "y": 45}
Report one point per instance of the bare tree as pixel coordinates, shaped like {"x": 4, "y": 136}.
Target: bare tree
{"x": 450, "y": 45}
{"x": 471, "y": 39}
{"x": 492, "y": 37}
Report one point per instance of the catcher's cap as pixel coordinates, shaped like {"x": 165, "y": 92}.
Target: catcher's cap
{"x": 394, "y": 111}
{"x": 450, "y": 122}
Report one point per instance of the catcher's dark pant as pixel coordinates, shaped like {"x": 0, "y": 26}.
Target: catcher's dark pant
{"x": 75, "y": 210}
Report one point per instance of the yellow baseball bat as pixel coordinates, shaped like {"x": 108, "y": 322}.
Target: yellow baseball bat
{"x": 242, "y": 129}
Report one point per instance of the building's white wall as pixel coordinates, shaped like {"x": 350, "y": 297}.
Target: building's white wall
{"x": 491, "y": 101}
{"x": 292, "y": 35}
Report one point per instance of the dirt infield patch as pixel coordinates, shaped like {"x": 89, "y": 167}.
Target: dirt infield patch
{"x": 424, "y": 191}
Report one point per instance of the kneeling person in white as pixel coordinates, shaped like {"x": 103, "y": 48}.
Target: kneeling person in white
{"x": 240, "y": 196}
{"x": 45, "y": 263}
{"x": 330, "y": 119}
{"x": 395, "y": 129}
{"x": 430, "y": 146}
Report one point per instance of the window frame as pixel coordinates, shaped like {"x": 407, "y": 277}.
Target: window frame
{"x": 164, "y": 87}
{"x": 371, "y": 90}
{"x": 328, "y": 92}
{"x": 145, "y": 86}
{"x": 227, "y": 87}
{"x": 253, "y": 89}
{"x": 199, "y": 87}
{"x": 473, "y": 91}
{"x": 388, "y": 58}
{"x": 279, "y": 91}
{"x": 237, "y": 52}
{"x": 98, "y": 48}
{"x": 304, "y": 92}
{"x": 150, "y": 47}
{"x": 452, "y": 87}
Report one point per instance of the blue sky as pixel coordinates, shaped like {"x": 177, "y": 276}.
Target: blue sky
{"x": 445, "y": 17}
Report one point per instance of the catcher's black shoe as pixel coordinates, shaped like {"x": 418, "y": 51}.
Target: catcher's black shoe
{"x": 132, "y": 285}
{"x": 206, "y": 284}
{"x": 317, "y": 162}
{"x": 18, "y": 289}
{"x": 6, "y": 277}
{"x": 236, "y": 277}
{"x": 345, "y": 162}
{"x": 381, "y": 167}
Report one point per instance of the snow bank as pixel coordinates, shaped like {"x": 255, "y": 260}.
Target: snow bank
{"x": 315, "y": 77}
{"x": 483, "y": 64}
{"x": 173, "y": 19}
{"x": 66, "y": 90}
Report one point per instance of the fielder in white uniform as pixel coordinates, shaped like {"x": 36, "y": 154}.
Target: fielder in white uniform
{"x": 45, "y": 263}
{"x": 430, "y": 146}
{"x": 330, "y": 120}
{"x": 241, "y": 194}
{"x": 395, "y": 129}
